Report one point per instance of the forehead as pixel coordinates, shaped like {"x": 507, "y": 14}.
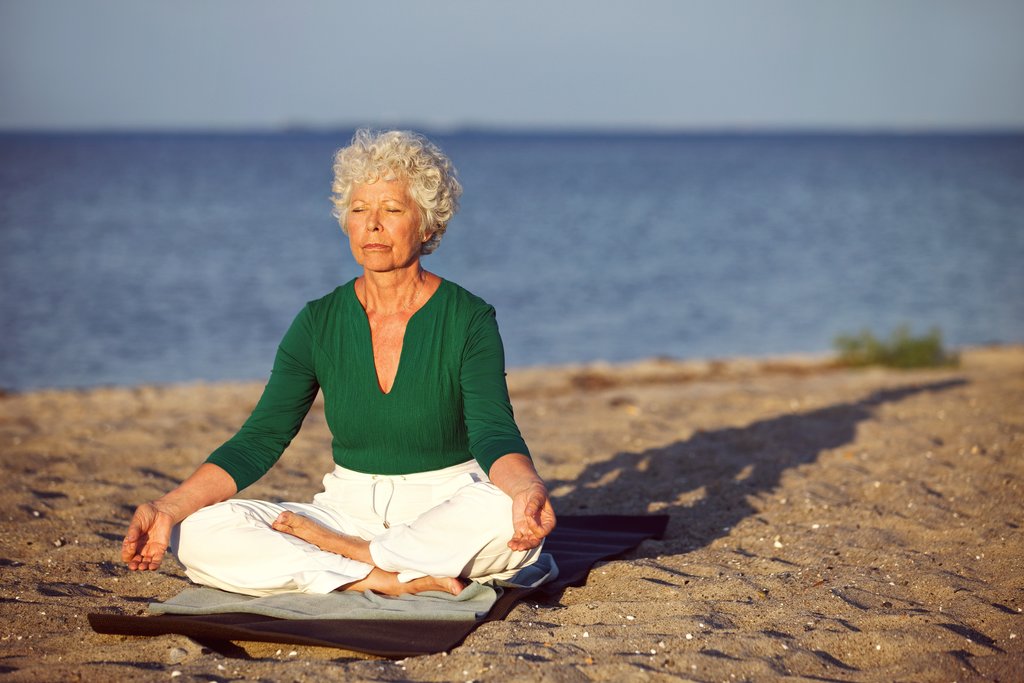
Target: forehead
{"x": 381, "y": 190}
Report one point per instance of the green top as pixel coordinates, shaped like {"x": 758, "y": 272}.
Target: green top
{"x": 449, "y": 401}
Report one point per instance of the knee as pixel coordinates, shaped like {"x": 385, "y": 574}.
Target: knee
{"x": 495, "y": 560}
{"x": 203, "y": 532}
{"x": 488, "y": 510}
{"x": 189, "y": 537}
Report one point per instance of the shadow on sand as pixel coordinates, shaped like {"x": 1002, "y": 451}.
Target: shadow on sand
{"x": 729, "y": 464}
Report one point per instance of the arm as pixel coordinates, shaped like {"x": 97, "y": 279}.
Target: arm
{"x": 243, "y": 459}
{"x": 494, "y": 437}
{"x": 277, "y": 417}
{"x": 150, "y": 530}
{"x": 533, "y": 518}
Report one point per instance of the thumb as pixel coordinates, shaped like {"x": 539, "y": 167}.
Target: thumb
{"x": 532, "y": 505}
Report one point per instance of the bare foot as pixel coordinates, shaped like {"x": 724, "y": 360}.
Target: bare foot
{"x": 311, "y": 531}
{"x": 378, "y": 581}
{"x": 302, "y": 527}
{"x": 433, "y": 583}
{"x": 387, "y": 583}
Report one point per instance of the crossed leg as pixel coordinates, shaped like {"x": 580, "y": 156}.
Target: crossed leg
{"x": 387, "y": 583}
{"x": 260, "y": 548}
{"x": 233, "y": 546}
{"x": 355, "y": 548}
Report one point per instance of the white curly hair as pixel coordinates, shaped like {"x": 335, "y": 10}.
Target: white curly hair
{"x": 399, "y": 155}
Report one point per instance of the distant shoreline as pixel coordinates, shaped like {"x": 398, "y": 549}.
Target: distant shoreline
{"x": 547, "y": 379}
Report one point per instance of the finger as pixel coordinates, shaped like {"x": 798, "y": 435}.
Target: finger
{"x": 523, "y": 543}
{"x": 150, "y": 566}
{"x": 129, "y": 549}
{"x": 133, "y": 532}
{"x": 527, "y": 535}
{"x": 531, "y": 538}
{"x": 533, "y": 504}
{"x": 535, "y": 525}
{"x": 520, "y": 537}
{"x": 152, "y": 557}
{"x": 536, "y": 504}
{"x": 535, "y": 522}
{"x": 548, "y": 519}
{"x": 137, "y": 530}
{"x": 524, "y": 529}
{"x": 157, "y": 557}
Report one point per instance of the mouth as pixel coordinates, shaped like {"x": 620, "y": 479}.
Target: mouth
{"x": 373, "y": 246}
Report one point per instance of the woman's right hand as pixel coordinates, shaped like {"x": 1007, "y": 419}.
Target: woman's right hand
{"x": 148, "y": 536}
{"x": 150, "y": 531}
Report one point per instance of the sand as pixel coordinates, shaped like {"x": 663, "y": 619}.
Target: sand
{"x": 826, "y": 524}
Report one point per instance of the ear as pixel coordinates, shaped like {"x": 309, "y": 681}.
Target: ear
{"x": 427, "y": 236}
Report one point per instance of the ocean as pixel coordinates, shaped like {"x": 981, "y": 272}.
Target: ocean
{"x": 140, "y": 258}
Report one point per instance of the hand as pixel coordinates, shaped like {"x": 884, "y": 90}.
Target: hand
{"x": 533, "y": 518}
{"x": 148, "y": 536}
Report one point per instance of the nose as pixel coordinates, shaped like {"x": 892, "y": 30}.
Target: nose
{"x": 373, "y": 221}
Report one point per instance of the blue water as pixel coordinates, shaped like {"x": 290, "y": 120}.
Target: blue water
{"x": 128, "y": 259}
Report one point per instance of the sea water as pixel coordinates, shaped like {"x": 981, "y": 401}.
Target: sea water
{"x": 136, "y": 258}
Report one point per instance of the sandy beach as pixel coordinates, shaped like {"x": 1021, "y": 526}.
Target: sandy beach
{"x": 826, "y": 524}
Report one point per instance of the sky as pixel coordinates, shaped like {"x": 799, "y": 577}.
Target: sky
{"x": 555, "y": 64}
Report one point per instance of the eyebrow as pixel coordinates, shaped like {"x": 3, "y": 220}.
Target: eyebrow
{"x": 385, "y": 199}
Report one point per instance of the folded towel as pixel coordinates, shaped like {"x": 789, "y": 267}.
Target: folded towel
{"x": 473, "y": 603}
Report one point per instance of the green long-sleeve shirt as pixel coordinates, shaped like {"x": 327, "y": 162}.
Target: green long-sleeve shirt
{"x": 449, "y": 401}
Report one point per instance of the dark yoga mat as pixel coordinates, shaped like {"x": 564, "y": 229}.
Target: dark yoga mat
{"x": 577, "y": 544}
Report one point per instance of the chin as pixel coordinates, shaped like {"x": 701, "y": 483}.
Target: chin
{"x": 379, "y": 267}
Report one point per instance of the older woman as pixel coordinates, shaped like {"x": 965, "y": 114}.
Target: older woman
{"x": 432, "y": 483}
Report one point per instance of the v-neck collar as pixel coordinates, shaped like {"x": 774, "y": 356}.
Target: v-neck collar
{"x": 374, "y": 377}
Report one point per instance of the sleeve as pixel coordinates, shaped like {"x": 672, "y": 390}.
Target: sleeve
{"x": 278, "y": 416}
{"x": 487, "y": 409}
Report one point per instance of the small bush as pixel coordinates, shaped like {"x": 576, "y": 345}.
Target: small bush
{"x": 901, "y": 350}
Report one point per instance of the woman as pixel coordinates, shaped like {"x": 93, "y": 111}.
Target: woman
{"x": 433, "y": 483}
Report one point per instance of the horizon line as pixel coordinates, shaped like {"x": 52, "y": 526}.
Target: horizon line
{"x": 520, "y": 130}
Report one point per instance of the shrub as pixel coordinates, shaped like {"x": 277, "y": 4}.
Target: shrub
{"x": 901, "y": 350}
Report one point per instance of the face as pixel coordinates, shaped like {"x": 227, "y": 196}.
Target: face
{"x": 383, "y": 224}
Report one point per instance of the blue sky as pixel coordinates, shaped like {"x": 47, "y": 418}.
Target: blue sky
{"x": 826, "y": 64}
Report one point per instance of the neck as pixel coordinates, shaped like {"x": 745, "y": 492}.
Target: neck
{"x": 393, "y": 292}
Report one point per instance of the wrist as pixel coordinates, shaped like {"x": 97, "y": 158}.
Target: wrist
{"x": 169, "y": 507}
{"x": 530, "y": 485}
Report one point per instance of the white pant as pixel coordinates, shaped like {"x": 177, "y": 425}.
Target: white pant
{"x": 446, "y": 523}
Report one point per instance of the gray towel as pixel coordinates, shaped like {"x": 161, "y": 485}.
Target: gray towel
{"x": 472, "y": 604}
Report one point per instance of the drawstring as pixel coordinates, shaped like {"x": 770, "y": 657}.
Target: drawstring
{"x": 391, "y": 494}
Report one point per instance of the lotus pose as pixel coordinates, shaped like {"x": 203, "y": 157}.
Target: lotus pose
{"x": 433, "y": 484}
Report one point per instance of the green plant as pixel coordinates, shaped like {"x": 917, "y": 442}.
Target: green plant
{"x": 901, "y": 350}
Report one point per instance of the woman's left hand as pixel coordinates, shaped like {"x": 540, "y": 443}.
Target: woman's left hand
{"x": 533, "y": 518}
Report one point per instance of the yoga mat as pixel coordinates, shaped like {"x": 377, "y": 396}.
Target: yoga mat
{"x": 577, "y": 543}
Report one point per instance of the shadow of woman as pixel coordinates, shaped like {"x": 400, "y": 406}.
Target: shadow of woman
{"x": 704, "y": 483}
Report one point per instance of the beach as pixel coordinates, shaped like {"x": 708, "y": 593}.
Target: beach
{"x": 826, "y": 523}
